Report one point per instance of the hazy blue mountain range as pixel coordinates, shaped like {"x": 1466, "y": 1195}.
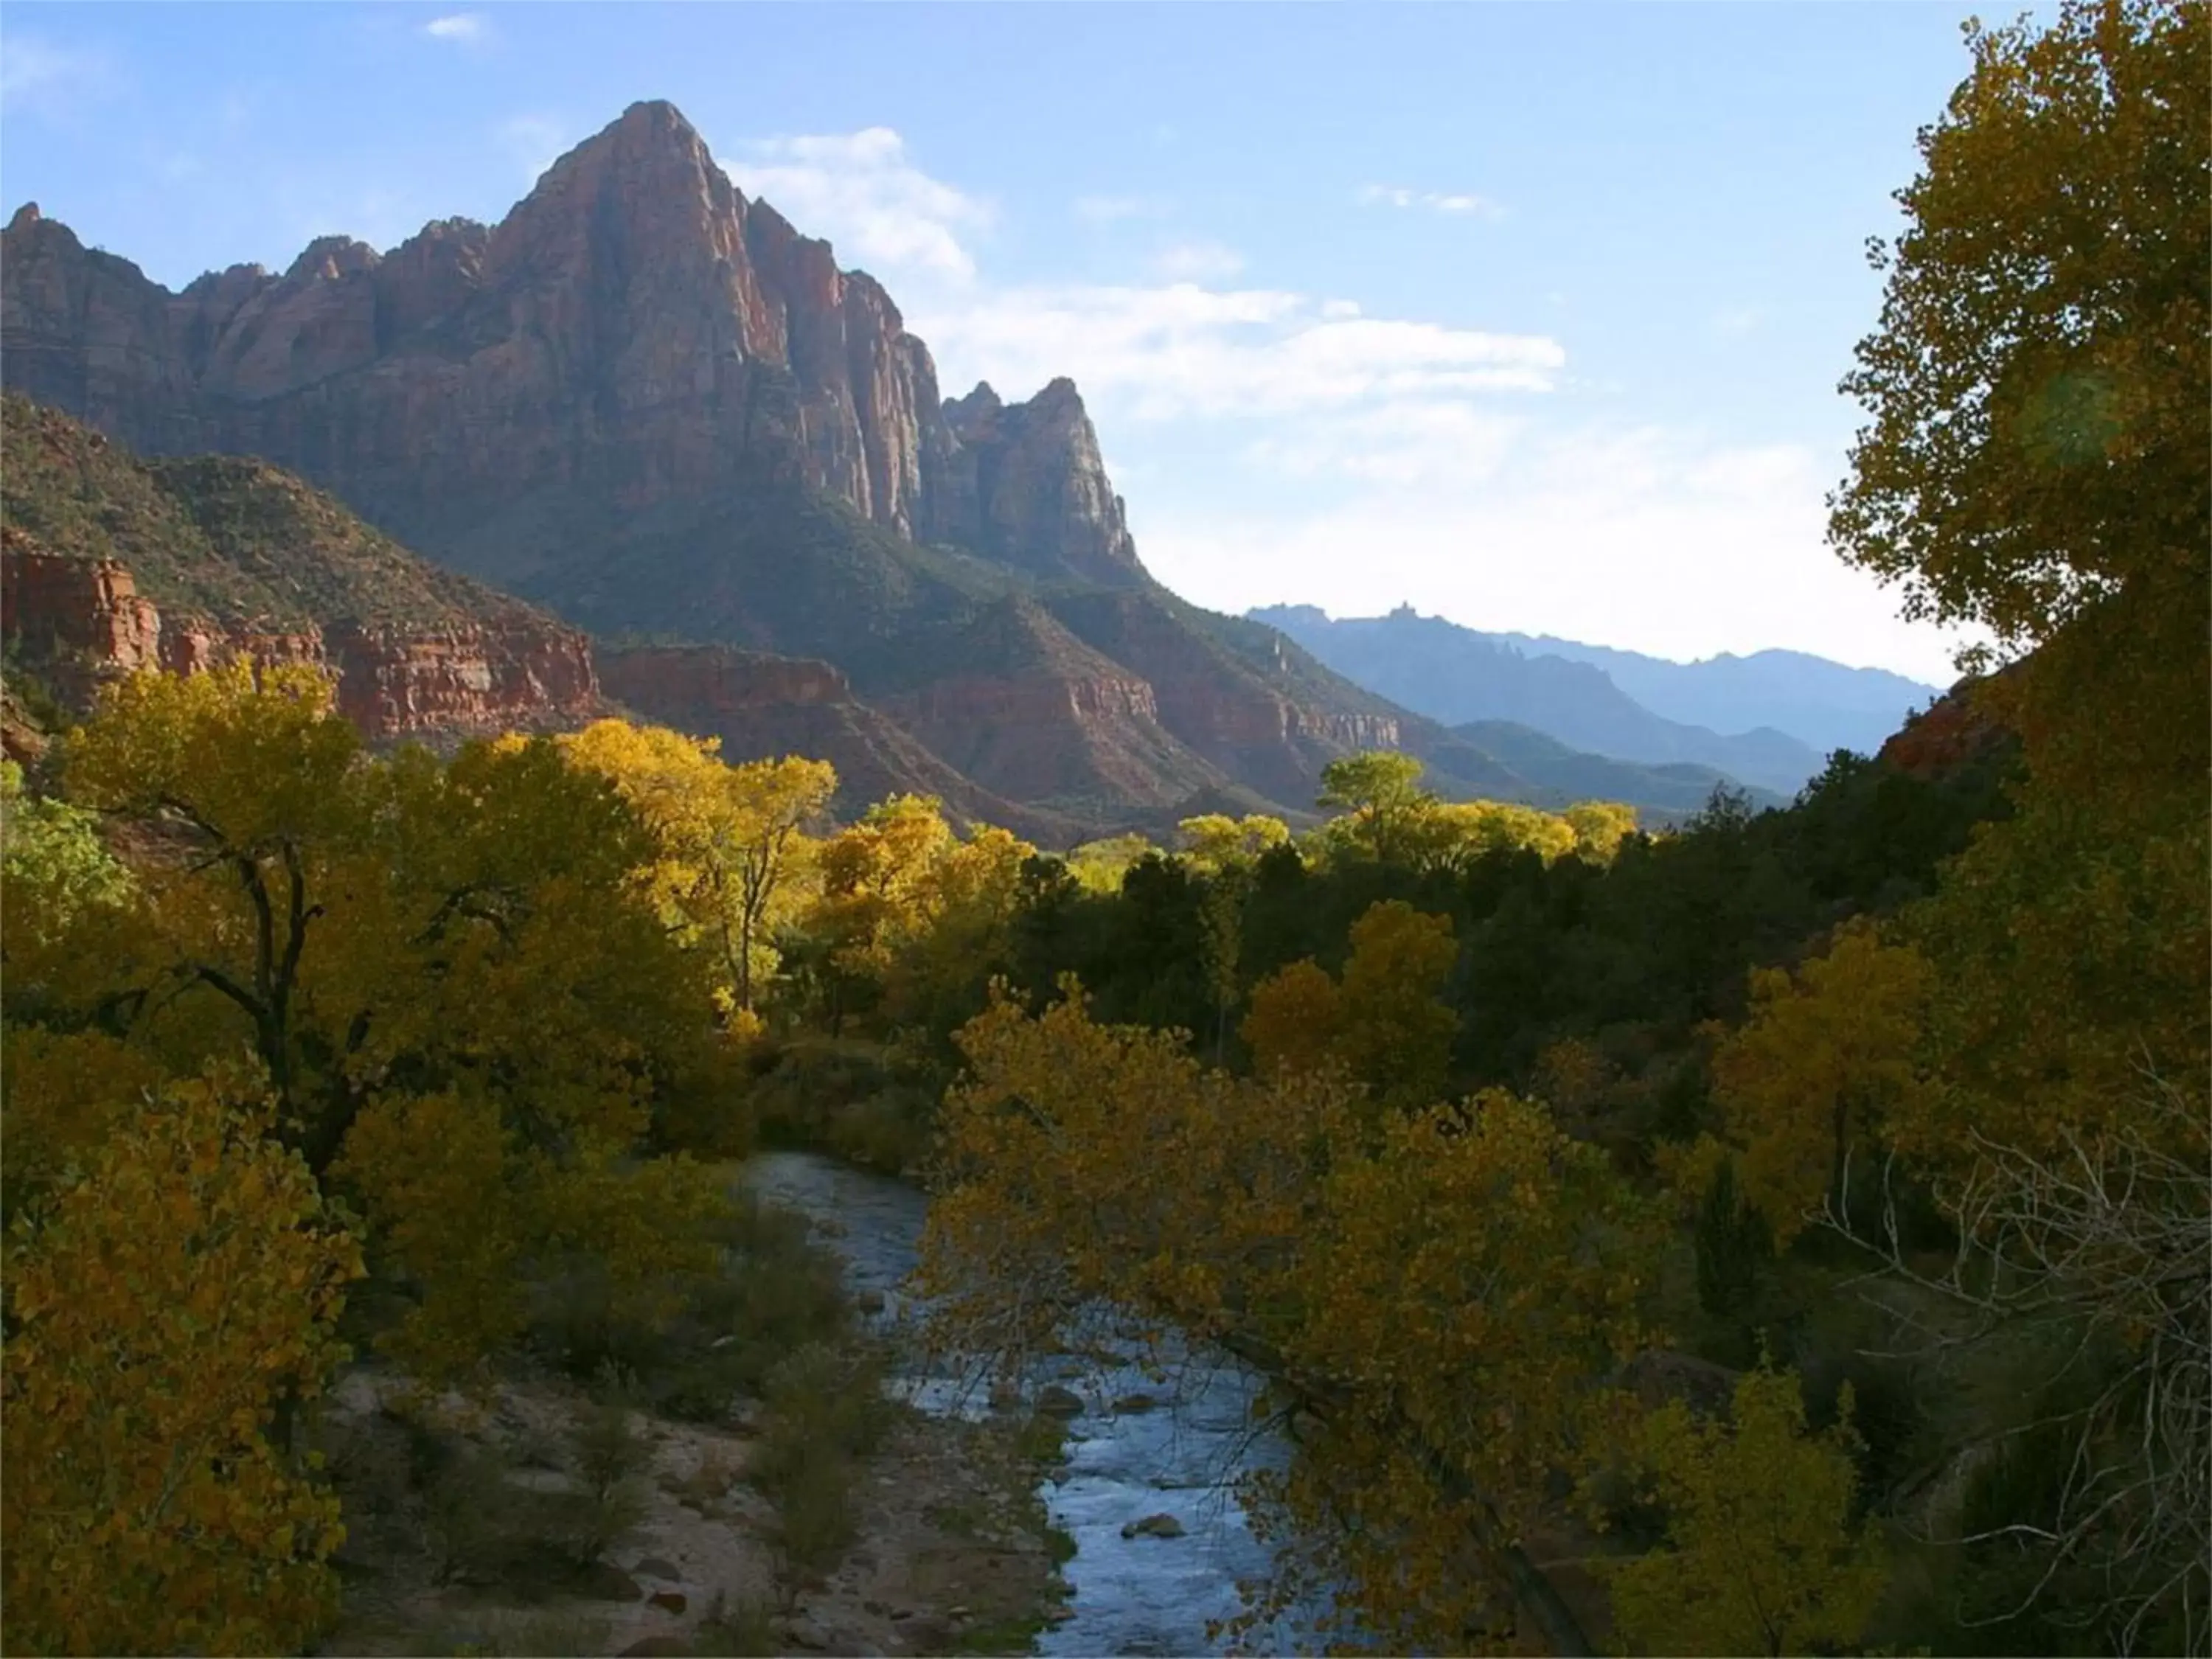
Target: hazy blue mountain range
{"x": 1767, "y": 721}
{"x": 1823, "y": 703}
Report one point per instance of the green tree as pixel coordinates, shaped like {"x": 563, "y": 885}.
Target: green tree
{"x": 1761, "y": 1555}
{"x": 256, "y": 782}
{"x": 1380, "y": 794}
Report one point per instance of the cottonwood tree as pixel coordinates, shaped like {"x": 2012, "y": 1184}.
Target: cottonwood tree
{"x": 186, "y": 1274}
{"x": 2039, "y": 462}
{"x": 730, "y": 838}
{"x": 1445, "y": 1294}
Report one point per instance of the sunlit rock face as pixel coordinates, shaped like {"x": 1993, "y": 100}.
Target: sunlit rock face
{"x": 634, "y": 333}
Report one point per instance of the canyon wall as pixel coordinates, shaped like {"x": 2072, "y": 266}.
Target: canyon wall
{"x": 82, "y": 622}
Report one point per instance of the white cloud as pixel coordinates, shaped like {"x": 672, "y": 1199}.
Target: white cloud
{"x": 463, "y": 28}
{"x": 1187, "y": 262}
{"x": 50, "y": 80}
{"x": 1734, "y": 322}
{"x": 860, "y": 190}
{"x": 1432, "y": 201}
{"x": 1426, "y": 444}
{"x": 1184, "y": 349}
{"x": 535, "y": 143}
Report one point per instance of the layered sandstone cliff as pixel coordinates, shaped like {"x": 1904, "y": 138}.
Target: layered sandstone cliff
{"x": 82, "y": 622}
{"x": 109, "y": 565}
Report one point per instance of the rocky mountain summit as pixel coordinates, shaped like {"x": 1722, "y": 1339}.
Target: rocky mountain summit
{"x": 652, "y": 406}
{"x": 635, "y": 332}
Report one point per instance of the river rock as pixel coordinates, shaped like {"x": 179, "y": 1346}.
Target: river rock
{"x": 1054, "y": 1401}
{"x": 1005, "y": 1396}
{"x": 1154, "y": 1526}
{"x": 1133, "y": 1405}
{"x": 670, "y": 1601}
{"x": 653, "y": 1566}
{"x": 868, "y": 1302}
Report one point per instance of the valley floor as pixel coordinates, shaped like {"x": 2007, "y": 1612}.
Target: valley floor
{"x": 950, "y": 1554}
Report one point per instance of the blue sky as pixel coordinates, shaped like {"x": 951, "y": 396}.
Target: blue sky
{"x": 1530, "y": 316}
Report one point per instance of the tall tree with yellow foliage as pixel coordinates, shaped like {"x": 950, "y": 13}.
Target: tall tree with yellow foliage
{"x": 158, "y": 1302}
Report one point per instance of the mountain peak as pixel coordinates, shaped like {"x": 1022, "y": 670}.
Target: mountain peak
{"x": 649, "y": 147}
{"x": 655, "y": 120}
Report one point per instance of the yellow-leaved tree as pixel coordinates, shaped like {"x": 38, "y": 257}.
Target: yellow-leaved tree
{"x": 1383, "y": 1025}
{"x": 1761, "y": 1553}
{"x": 731, "y": 839}
{"x": 2038, "y": 462}
{"x": 185, "y": 1276}
{"x": 471, "y": 1016}
{"x": 1214, "y": 841}
{"x": 1445, "y": 1296}
{"x": 1826, "y": 1063}
{"x": 909, "y": 910}
{"x": 257, "y": 785}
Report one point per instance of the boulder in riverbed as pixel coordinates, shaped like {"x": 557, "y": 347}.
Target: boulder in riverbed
{"x": 1054, "y": 1401}
{"x": 1154, "y": 1526}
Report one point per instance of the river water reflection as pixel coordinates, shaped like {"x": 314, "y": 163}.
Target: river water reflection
{"x": 1132, "y": 1596}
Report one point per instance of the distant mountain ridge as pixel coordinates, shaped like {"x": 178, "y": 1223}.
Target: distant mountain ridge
{"x": 1781, "y": 712}
{"x": 1826, "y": 704}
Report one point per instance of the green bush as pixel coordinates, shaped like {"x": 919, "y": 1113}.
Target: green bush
{"x": 825, "y": 1413}
{"x": 609, "y": 1456}
{"x": 775, "y": 1293}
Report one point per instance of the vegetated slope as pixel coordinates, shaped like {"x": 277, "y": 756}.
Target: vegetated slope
{"x": 109, "y": 564}
{"x": 237, "y": 542}
{"x": 1457, "y": 675}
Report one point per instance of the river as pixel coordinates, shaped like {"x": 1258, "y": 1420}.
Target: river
{"x": 1131, "y": 1595}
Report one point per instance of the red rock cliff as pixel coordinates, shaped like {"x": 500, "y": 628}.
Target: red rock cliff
{"x": 83, "y": 621}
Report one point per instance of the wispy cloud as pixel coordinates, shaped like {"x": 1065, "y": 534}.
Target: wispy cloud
{"x": 1734, "y": 322}
{"x": 1424, "y": 442}
{"x": 50, "y": 80}
{"x": 1184, "y": 350}
{"x": 1196, "y": 262}
{"x": 535, "y": 143}
{"x": 862, "y": 191}
{"x": 1432, "y": 201}
{"x": 464, "y": 28}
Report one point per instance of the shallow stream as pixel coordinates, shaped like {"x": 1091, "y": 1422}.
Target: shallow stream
{"x": 1131, "y": 1595}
